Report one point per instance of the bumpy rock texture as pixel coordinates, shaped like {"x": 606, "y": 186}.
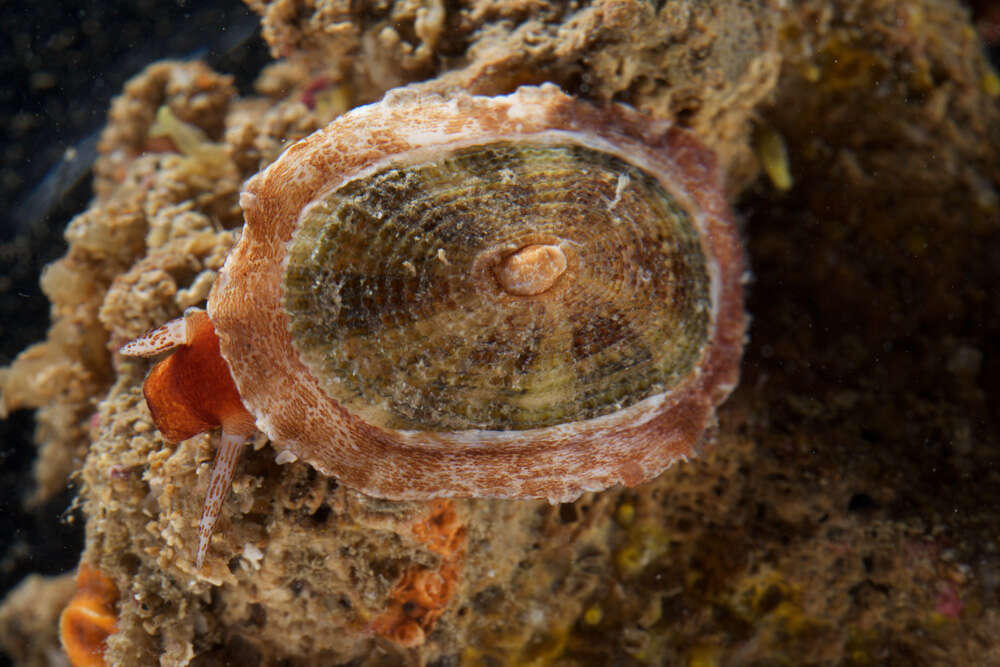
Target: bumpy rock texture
{"x": 845, "y": 513}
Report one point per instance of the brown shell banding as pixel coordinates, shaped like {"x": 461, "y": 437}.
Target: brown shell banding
{"x": 558, "y": 462}
{"x": 445, "y": 347}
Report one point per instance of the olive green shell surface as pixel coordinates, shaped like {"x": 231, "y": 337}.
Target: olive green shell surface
{"x": 394, "y": 306}
{"x": 517, "y": 296}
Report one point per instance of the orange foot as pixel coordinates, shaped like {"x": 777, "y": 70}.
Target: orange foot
{"x": 190, "y": 392}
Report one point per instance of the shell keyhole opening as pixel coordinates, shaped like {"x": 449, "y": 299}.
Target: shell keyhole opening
{"x": 531, "y": 270}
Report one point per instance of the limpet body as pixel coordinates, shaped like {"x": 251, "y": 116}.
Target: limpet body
{"x": 516, "y": 296}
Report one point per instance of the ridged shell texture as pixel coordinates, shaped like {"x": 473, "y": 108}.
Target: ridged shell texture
{"x": 517, "y": 296}
{"x": 395, "y": 306}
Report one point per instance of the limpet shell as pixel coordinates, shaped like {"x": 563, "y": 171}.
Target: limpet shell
{"x": 517, "y": 296}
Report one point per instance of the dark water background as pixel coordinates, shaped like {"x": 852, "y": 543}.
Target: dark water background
{"x": 60, "y": 65}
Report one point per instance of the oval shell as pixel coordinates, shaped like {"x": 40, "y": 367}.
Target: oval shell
{"x": 518, "y": 296}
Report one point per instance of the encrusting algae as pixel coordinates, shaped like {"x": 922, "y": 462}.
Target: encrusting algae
{"x": 422, "y": 594}
{"x": 843, "y": 509}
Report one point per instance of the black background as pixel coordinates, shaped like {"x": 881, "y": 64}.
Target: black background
{"x": 60, "y": 65}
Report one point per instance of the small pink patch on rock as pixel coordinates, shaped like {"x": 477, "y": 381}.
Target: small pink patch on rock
{"x": 948, "y": 603}
{"x": 317, "y": 85}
